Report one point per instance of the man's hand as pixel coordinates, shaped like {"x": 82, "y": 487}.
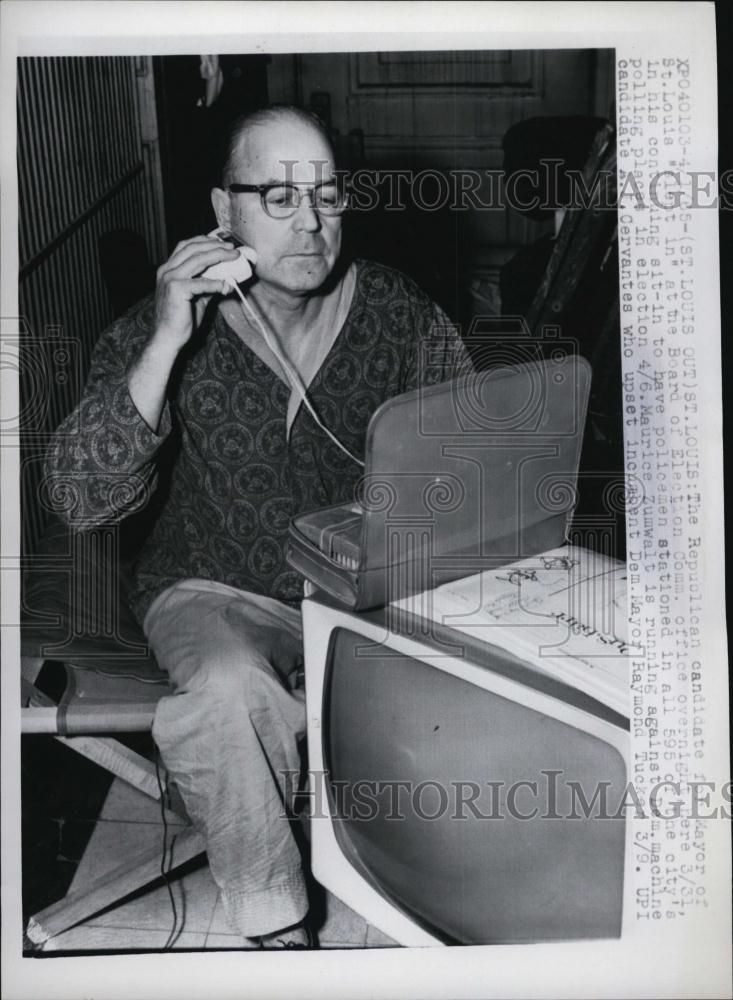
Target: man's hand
{"x": 181, "y": 295}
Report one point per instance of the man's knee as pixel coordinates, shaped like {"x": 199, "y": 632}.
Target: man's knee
{"x": 219, "y": 695}
{"x": 232, "y": 677}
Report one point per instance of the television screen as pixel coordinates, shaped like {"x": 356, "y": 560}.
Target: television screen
{"x": 484, "y": 815}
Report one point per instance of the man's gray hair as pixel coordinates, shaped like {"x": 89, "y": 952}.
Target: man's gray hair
{"x": 265, "y": 116}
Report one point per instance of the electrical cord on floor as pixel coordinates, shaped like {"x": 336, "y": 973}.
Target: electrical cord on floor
{"x": 164, "y": 793}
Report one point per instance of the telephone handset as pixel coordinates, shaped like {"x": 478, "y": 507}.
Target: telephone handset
{"x": 234, "y": 272}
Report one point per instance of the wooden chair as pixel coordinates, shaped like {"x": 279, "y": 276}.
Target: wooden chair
{"x": 112, "y": 686}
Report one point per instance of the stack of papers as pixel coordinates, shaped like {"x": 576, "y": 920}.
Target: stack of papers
{"x": 563, "y": 611}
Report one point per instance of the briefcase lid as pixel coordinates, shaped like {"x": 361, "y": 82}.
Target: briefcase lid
{"x": 479, "y": 462}
{"x": 460, "y": 476}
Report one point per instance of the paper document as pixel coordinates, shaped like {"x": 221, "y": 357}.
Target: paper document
{"x": 564, "y": 611}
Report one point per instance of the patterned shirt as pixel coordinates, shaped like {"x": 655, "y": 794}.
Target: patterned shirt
{"x": 235, "y": 479}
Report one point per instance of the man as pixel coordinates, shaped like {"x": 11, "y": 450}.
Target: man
{"x": 190, "y": 377}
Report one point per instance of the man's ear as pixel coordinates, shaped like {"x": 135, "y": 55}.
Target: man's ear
{"x": 220, "y": 203}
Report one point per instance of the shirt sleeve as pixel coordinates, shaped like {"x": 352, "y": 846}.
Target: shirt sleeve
{"x": 437, "y": 353}
{"x": 100, "y": 465}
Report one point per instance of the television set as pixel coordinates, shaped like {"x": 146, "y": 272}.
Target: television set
{"x": 464, "y": 791}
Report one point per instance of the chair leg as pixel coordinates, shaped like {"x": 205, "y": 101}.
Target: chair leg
{"x": 110, "y": 888}
{"x": 108, "y": 753}
{"x": 118, "y": 759}
{"x": 30, "y": 667}
{"x": 116, "y": 885}
{"x": 130, "y": 767}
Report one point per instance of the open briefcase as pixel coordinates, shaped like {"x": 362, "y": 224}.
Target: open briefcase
{"x": 459, "y": 477}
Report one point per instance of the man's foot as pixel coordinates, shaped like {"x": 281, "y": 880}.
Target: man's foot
{"x": 298, "y": 936}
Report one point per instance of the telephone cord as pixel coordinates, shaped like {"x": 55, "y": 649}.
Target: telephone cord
{"x": 292, "y": 375}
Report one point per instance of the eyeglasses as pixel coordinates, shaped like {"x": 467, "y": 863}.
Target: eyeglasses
{"x": 280, "y": 201}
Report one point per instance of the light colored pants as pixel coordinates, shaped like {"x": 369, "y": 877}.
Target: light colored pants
{"x": 229, "y": 733}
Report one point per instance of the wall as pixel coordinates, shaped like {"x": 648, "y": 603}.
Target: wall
{"x": 90, "y": 229}
{"x": 444, "y": 111}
